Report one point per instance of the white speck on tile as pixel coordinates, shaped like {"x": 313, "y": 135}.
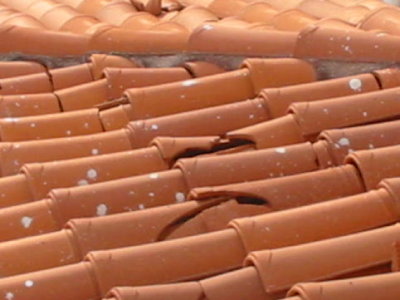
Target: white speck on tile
{"x": 183, "y": 96}
{"x": 9, "y": 296}
{"x": 131, "y": 193}
{"x": 11, "y": 119}
{"x": 371, "y": 146}
{"x": 83, "y": 182}
{"x": 33, "y": 125}
{"x": 355, "y": 84}
{"x": 68, "y": 132}
{"x": 95, "y": 151}
{"x": 16, "y": 146}
{"x": 154, "y": 127}
{"x": 208, "y": 27}
{"x": 141, "y": 206}
{"x": 325, "y": 110}
{"x": 189, "y": 82}
{"x": 29, "y": 283}
{"x": 101, "y": 210}
{"x": 16, "y": 162}
{"x": 348, "y": 38}
{"x": 151, "y": 194}
{"x": 26, "y": 222}
{"x": 280, "y": 150}
{"x": 348, "y": 49}
{"x": 365, "y": 114}
{"x": 218, "y": 117}
{"x": 91, "y": 174}
{"x": 86, "y": 125}
{"x": 180, "y": 197}
{"x": 251, "y": 116}
{"x": 17, "y": 104}
{"x": 344, "y": 142}
{"x": 154, "y": 175}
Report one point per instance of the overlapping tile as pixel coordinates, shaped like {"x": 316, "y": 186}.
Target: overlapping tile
{"x": 236, "y": 149}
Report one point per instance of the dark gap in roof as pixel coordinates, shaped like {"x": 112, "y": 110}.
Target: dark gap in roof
{"x": 251, "y": 200}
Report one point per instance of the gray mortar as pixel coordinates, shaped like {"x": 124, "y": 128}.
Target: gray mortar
{"x": 325, "y": 68}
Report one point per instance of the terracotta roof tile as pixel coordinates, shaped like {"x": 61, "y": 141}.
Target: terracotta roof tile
{"x": 221, "y": 119}
{"x": 98, "y": 19}
{"x": 97, "y": 259}
{"x": 373, "y": 286}
{"x": 148, "y": 147}
{"x": 292, "y": 20}
{"x": 57, "y": 125}
{"x": 26, "y": 84}
{"x": 14, "y": 155}
{"x": 18, "y": 68}
{"x": 278, "y": 100}
{"x": 237, "y": 41}
{"x": 13, "y": 106}
{"x": 244, "y": 83}
{"x": 17, "y": 39}
{"x": 377, "y": 159}
{"x": 307, "y": 119}
{"x": 345, "y": 45}
{"x": 359, "y": 137}
{"x": 270, "y": 264}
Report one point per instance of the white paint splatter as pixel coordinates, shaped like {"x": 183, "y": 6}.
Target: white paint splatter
{"x": 101, "y": 210}
{"x": 9, "y": 296}
{"x": 180, "y": 197}
{"x": 33, "y": 125}
{"x": 29, "y": 283}
{"x": 189, "y": 82}
{"x": 11, "y": 119}
{"x": 208, "y": 27}
{"x": 154, "y": 127}
{"x": 95, "y": 151}
{"x": 365, "y": 114}
{"x": 348, "y": 49}
{"x": 141, "y": 206}
{"x": 344, "y": 142}
{"x": 154, "y": 175}
{"x": 91, "y": 174}
{"x": 355, "y": 84}
{"x": 68, "y": 132}
{"x": 280, "y": 150}
{"x": 26, "y": 222}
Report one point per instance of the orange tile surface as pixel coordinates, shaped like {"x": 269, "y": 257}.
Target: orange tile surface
{"x": 199, "y": 149}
